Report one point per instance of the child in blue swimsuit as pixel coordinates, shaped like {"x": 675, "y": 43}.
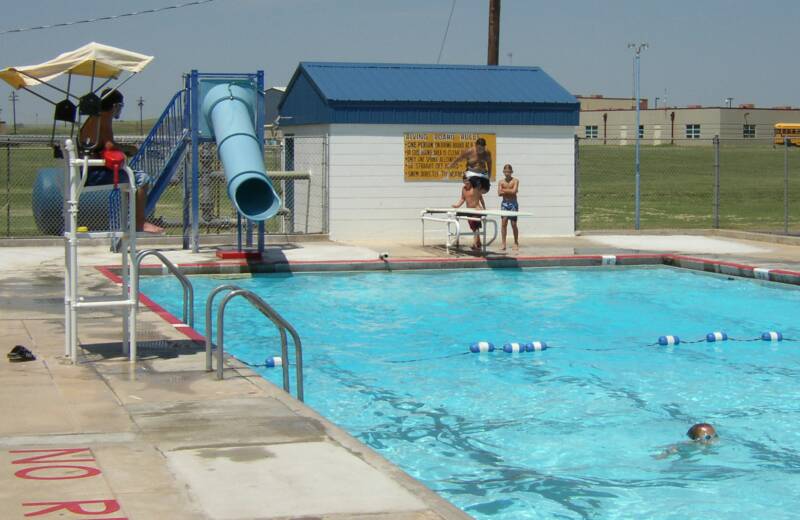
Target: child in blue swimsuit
{"x": 508, "y": 188}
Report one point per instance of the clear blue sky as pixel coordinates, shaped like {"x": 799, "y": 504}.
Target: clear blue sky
{"x": 700, "y": 51}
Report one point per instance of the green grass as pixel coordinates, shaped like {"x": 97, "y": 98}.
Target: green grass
{"x": 18, "y": 171}
{"x": 677, "y": 187}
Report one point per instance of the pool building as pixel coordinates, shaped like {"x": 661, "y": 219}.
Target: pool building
{"x": 392, "y": 129}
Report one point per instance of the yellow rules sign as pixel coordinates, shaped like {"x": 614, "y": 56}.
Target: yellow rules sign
{"x": 427, "y": 155}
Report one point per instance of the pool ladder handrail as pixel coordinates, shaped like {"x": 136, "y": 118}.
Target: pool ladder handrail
{"x": 188, "y": 290}
{"x": 272, "y": 315}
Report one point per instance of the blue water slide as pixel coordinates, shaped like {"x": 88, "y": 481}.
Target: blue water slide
{"x": 228, "y": 110}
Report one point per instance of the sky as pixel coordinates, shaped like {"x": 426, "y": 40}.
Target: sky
{"x": 700, "y": 51}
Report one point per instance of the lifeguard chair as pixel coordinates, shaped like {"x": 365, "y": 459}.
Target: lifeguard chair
{"x": 106, "y": 63}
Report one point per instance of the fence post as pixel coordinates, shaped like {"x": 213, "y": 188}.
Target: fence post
{"x": 8, "y": 189}
{"x": 326, "y": 200}
{"x": 576, "y": 180}
{"x": 785, "y": 185}
{"x": 194, "y": 100}
{"x": 716, "y": 182}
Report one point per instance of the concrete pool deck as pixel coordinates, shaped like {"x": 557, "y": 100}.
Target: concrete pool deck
{"x": 163, "y": 438}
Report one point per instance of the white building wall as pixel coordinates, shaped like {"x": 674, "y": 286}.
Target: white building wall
{"x": 369, "y": 198}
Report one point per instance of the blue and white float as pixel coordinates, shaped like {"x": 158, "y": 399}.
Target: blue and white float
{"x": 669, "y": 340}
{"x": 536, "y": 346}
{"x": 514, "y": 348}
{"x": 481, "y": 346}
{"x": 711, "y": 337}
{"x": 272, "y": 362}
{"x": 771, "y": 335}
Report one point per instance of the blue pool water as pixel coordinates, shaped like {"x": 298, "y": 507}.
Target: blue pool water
{"x": 572, "y": 432}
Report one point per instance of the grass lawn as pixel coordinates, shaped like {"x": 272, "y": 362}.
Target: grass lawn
{"x": 677, "y": 187}
{"x": 121, "y": 127}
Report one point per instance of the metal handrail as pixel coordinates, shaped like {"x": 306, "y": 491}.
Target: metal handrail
{"x": 188, "y": 290}
{"x": 276, "y": 319}
{"x": 164, "y": 135}
{"x": 166, "y": 141}
{"x": 209, "y": 302}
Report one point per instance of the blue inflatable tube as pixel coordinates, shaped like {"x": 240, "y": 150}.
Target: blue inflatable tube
{"x": 47, "y": 203}
{"x": 228, "y": 110}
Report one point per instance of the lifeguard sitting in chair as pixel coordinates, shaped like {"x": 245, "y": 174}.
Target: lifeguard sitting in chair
{"x": 96, "y": 139}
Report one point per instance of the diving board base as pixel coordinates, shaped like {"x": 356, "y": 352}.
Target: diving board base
{"x": 235, "y": 254}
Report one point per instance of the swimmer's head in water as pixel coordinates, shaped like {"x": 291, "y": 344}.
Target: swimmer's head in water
{"x": 702, "y": 432}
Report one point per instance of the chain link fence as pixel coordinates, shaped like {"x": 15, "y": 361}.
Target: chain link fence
{"x": 31, "y": 184}
{"x": 743, "y": 184}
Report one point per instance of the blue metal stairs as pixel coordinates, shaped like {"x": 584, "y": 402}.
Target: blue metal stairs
{"x": 162, "y": 151}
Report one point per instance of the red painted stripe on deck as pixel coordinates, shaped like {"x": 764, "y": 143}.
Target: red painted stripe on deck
{"x": 711, "y": 262}
{"x": 153, "y": 306}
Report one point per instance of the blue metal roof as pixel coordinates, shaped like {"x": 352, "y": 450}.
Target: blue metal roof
{"x": 382, "y": 93}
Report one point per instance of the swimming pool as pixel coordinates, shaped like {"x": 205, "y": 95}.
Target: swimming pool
{"x": 571, "y": 432}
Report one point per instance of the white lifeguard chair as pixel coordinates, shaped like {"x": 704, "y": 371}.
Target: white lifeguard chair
{"x": 125, "y": 232}
{"x": 93, "y": 60}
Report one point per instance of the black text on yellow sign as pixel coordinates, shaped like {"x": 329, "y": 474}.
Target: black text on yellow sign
{"x": 428, "y": 154}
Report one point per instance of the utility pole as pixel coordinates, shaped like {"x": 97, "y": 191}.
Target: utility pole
{"x": 494, "y": 32}
{"x": 13, "y": 97}
{"x": 637, "y": 49}
{"x": 141, "y": 104}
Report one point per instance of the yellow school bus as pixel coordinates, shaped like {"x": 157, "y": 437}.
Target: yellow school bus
{"x": 790, "y": 130}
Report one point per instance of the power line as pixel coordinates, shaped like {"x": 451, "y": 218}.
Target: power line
{"x": 106, "y": 18}
{"x": 444, "y": 38}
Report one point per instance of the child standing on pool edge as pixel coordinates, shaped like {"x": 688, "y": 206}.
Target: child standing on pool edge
{"x": 508, "y": 188}
{"x": 473, "y": 196}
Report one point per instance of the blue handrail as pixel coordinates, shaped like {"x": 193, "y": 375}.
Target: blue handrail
{"x": 161, "y": 152}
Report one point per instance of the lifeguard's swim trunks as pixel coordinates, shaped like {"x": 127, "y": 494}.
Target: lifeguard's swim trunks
{"x": 100, "y": 176}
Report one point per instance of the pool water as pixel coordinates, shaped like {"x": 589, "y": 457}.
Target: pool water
{"x": 577, "y": 431}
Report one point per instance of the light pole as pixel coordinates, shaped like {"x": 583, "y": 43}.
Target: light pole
{"x": 141, "y": 104}
{"x": 13, "y": 98}
{"x": 637, "y": 49}
{"x": 494, "y": 32}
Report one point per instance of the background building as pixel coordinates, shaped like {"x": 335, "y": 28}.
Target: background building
{"x": 272, "y": 97}
{"x": 600, "y": 102}
{"x": 604, "y": 120}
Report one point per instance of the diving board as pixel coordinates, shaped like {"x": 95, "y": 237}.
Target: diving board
{"x": 452, "y": 217}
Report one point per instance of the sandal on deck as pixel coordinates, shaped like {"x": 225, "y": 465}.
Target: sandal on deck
{"x": 19, "y": 354}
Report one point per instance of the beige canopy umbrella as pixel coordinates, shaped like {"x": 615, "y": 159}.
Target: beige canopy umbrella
{"x": 93, "y": 59}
